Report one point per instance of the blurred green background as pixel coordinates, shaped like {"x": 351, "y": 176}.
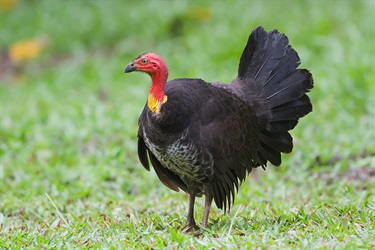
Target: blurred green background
{"x": 69, "y": 114}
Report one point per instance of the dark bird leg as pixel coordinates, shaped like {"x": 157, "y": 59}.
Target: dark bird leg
{"x": 190, "y": 222}
{"x": 207, "y": 207}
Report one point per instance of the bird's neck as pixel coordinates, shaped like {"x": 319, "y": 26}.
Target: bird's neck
{"x": 156, "y": 96}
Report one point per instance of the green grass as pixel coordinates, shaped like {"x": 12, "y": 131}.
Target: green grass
{"x": 70, "y": 176}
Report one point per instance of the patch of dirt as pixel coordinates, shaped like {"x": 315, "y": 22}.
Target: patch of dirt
{"x": 363, "y": 175}
{"x": 337, "y": 158}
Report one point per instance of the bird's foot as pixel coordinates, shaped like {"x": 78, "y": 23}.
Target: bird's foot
{"x": 190, "y": 227}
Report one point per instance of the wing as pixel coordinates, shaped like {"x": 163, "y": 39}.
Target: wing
{"x": 167, "y": 177}
{"x": 230, "y": 132}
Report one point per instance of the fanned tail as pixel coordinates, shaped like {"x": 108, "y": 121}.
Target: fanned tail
{"x": 271, "y": 83}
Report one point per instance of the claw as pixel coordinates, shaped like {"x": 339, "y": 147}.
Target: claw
{"x": 190, "y": 228}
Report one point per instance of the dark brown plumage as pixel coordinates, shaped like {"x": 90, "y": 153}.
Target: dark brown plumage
{"x": 204, "y": 138}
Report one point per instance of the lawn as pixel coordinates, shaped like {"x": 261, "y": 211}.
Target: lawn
{"x": 69, "y": 171}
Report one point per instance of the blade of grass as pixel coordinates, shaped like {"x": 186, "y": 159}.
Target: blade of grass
{"x": 58, "y": 211}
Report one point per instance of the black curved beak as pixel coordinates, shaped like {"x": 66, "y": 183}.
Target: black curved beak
{"x": 130, "y": 68}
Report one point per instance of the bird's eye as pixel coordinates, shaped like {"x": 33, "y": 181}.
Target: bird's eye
{"x": 144, "y": 61}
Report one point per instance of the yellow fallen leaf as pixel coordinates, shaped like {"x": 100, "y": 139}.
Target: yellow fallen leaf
{"x": 7, "y": 4}
{"x": 199, "y": 13}
{"x": 27, "y": 49}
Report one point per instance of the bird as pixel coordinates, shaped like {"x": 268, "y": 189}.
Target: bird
{"x": 205, "y": 138}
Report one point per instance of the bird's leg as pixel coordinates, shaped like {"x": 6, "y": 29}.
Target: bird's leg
{"x": 207, "y": 207}
{"x": 190, "y": 222}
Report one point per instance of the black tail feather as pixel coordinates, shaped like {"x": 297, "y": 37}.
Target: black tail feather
{"x": 281, "y": 126}
{"x": 288, "y": 89}
{"x": 262, "y": 52}
{"x": 275, "y": 88}
{"x": 282, "y": 142}
{"x": 292, "y": 110}
{"x": 286, "y": 65}
{"x": 270, "y": 154}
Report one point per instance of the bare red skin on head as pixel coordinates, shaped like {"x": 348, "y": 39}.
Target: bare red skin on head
{"x": 157, "y": 69}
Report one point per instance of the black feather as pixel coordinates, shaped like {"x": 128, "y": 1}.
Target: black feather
{"x": 167, "y": 177}
{"x": 292, "y": 110}
{"x": 271, "y": 155}
{"x": 217, "y": 194}
{"x": 288, "y": 63}
{"x": 281, "y": 126}
{"x": 280, "y": 142}
{"x": 142, "y": 153}
{"x": 275, "y": 88}
{"x": 289, "y": 89}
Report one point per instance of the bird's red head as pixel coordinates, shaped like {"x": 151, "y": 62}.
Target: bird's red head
{"x": 149, "y": 63}
{"x": 156, "y": 67}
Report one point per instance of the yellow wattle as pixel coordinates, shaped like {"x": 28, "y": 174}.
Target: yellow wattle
{"x": 153, "y": 104}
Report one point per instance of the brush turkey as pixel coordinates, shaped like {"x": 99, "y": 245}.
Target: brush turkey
{"x": 205, "y": 138}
